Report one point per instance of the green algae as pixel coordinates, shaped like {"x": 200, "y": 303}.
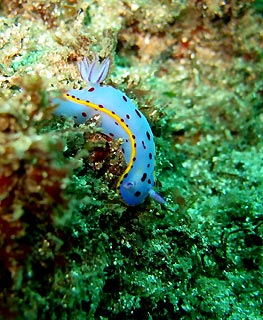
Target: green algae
{"x": 196, "y": 74}
{"x": 29, "y": 58}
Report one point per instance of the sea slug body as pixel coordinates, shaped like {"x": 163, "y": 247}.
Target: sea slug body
{"x": 119, "y": 119}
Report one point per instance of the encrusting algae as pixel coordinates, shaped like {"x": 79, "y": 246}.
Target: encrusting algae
{"x": 69, "y": 248}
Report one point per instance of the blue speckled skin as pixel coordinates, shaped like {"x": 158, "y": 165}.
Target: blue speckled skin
{"x": 135, "y": 185}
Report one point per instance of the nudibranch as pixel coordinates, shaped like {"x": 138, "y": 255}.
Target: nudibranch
{"x": 119, "y": 119}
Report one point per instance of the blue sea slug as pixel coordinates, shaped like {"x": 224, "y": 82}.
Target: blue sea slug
{"x": 119, "y": 119}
